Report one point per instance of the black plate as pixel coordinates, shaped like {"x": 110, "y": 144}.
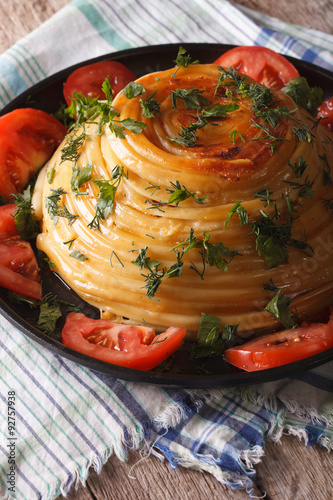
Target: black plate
{"x": 182, "y": 372}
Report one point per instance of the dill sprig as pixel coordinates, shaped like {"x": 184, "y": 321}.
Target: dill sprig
{"x": 56, "y": 208}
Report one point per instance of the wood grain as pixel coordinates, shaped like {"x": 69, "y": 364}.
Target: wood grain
{"x": 288, "y": 472}
{"x": 315, "y": 14}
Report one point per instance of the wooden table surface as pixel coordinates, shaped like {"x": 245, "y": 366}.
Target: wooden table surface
{"x": 288, "y": 471}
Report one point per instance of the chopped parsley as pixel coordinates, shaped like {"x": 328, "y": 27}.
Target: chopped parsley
{"x": 133, "y": 90}
{"x": 24, "y": 216}
{"x": 183, "y": 59}
{"x": 240, "y": 211}
{"x": 87, "y": 109}
{"x": 49, "y": 313}
{"x": 213, "y": 254}
{"x": 304, "y": 95}
{"x": 211, "y": 341}
{"x": 188, "y": 135}
{"x": 273, "y": 238}
{"x": 150, "y": 107}
{"x": 279, "y": 307}
{"x": 106, "y": 197}
{"x": 80, "y": 176}
{"x": 193, "y": 98}
{"x": 76, "y": 254}
{"x": 50, "y": 175}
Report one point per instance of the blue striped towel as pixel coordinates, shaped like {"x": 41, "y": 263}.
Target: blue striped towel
{"x": 68, "y": 418}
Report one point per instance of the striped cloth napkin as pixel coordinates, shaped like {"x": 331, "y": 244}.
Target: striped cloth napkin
{"x": 68, "y": 418}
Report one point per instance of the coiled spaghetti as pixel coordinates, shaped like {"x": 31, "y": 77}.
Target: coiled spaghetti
{"x": 256, "y": 209}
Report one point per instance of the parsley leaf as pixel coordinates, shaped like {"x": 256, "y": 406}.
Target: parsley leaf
{"x": 279, "y": 307}
{"x": 210, "y": 341}
{"x": 24, "y": 216}
{"x": 76, "y": 254}
{"x": 150, "y": 107}
{"x": 240, "y": 211}
{"x": 132, "y": 90}
{"x": 304, "y": 95}
{"x": 193, "y": 98}
{"x": 49, "y": 314}
{"x": 80, "y": 176}
{"x": 183, "y": 59}
{"x": 106, "y": 196}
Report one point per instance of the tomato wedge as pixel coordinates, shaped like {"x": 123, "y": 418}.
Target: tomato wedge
{"x": 28, "y": 138}
{"x": 126, "y": 345}
{"x": 88, "y": 79}
{"x": 264, "y": 65}
{"x": 281, "y": 348}
{"x": 18, "y": 265}
{"x": 325, "y": 112}
{"x": 7, "y": 221}
{"x": 18, "y": 268}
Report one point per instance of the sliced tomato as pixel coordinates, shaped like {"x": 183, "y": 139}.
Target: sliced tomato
{"x": 88, "y": 79}
{"x": 28, "y": 138}
{"x": 281, "y": 348}
{"x": 126, "y": 345}
{"x": 264, "y": 65}
{"x": 7, "y": 222}
{"x": 18, "y": 268}
{"x": 325, "y": 112}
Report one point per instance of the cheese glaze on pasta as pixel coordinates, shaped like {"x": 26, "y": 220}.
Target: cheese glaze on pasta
{"x": 231, "y": 161}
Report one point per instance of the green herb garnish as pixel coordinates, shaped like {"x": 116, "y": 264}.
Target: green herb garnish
{"x": 304, "y": 95}
{"x": 56, "y": 208}
{"x": 240, "y": 211}
{"x": 183, "y": 59}
{"x": 211, "y": 341}
{"x": 279, "y": 307}
{"x": 106, "y": 196}
{"x": 24, "y": 216}
{"x": 76, "y": 254}
{"x": 150, "y": 107}
{"x": 80, "y": 176}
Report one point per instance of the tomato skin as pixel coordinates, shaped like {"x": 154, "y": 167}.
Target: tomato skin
{"x": 88, "y": 79}
{"x": 264, "y": 65}
{"x": 18, "y": 265}
{"x": 281, "y": 348}
{"x": 28, "y": 138}
{"x": 325, "y": 112}
{"x": 7, "y": 222}
{"x": 18, "y": 268}
{"x": 129, "y": 345}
